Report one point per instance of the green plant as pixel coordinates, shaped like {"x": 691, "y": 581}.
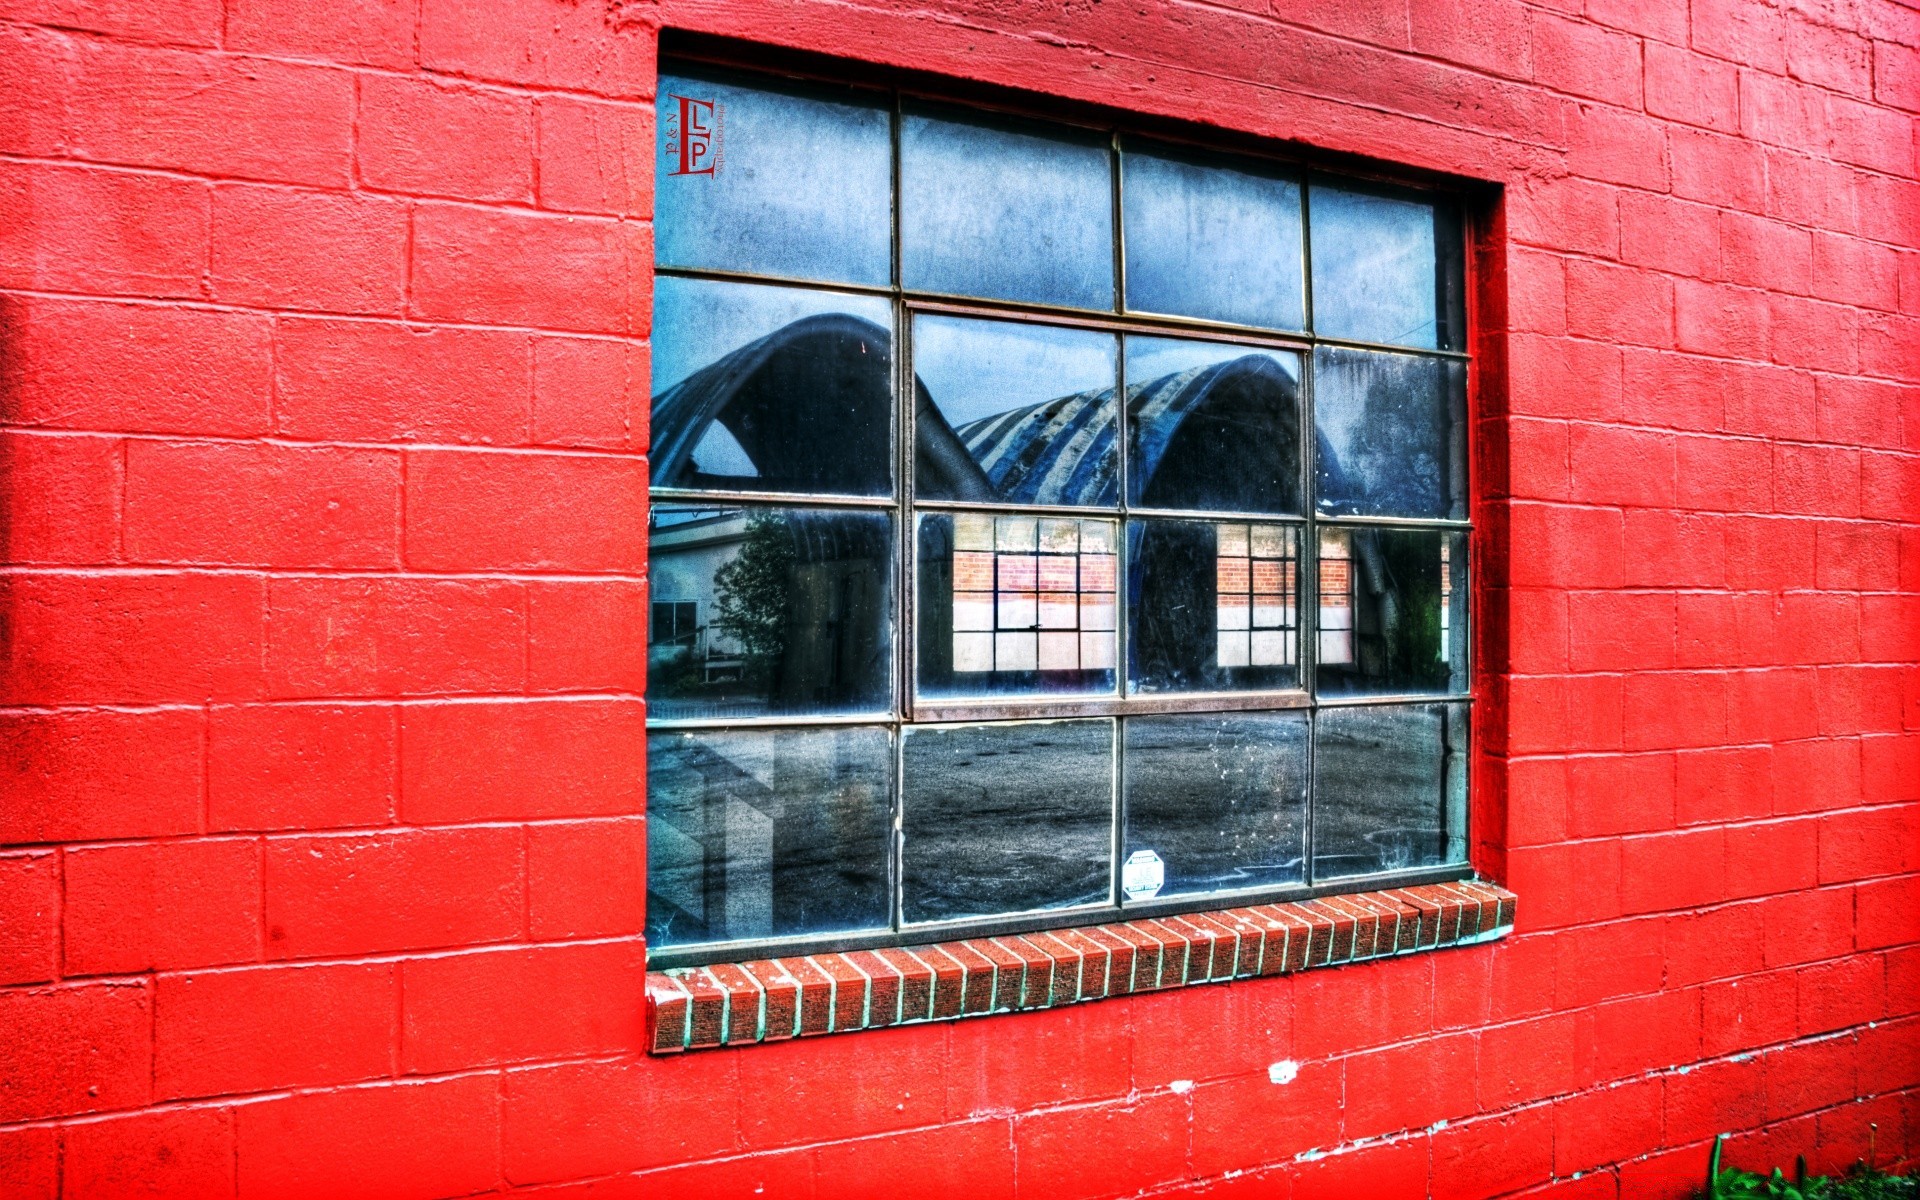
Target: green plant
{"x": 1861, "y": 1182}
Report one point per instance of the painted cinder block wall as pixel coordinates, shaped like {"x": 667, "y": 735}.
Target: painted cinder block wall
{"x": 323, "y": 374}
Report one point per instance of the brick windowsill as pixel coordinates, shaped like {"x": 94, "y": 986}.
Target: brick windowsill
{"x": 768, "y": 1000}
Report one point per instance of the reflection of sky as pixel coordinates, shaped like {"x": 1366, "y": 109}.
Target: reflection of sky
{"x": 986, "y": 211}
{"x": 1151, "y": 358}
{"x": 696, "y": 321}
{"x": 974, "y": 369}
{"x": 1373, "y": 268}
{"x": 804, "y": 188}
{"x": 1206, "y": 241}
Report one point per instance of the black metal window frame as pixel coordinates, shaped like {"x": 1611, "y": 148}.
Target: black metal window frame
{"x": 909, "y": 711}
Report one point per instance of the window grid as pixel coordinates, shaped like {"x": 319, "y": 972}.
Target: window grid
{"x": 1307, "y": 571}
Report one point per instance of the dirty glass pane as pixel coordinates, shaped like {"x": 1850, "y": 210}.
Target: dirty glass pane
{"x": 771, "y": 389}
{"x": 773, "y": 180}
{"x": 1212, "y": 426}
{"x": 1393, "y": 611}
{"x": 1212, "y": 241}
{"x": 1392, "y": 433}
{"x": 1009, "y": 210}
{"x": 1015, "y": 606}
{"x": 1013, "y": 412}
{"x": 1390, "y": 788}
{"x": 754, "y": 834}
{"x": 1220, "y": 799}
{"x": 1214, "y": 606}
{"x": 1005, "y": 818}
{"x": 1376, "y": 268}
{"x": 780, "y": 611}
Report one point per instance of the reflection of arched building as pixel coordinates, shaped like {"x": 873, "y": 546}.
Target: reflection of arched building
{"x": 807, "y": 409}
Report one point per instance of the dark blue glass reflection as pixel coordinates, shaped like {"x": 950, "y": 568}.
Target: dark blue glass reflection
{"x": 771, "y": 389}
{"x": 1392, "y": 434}
{"x": 1011, "y": 211}
{"x": 1211, "y": 241}
{"x": 1212, "y": 426}
{"x": 773, "y": 181}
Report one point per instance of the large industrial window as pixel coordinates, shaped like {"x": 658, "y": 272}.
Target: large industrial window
{"x": 1048, "y": 523}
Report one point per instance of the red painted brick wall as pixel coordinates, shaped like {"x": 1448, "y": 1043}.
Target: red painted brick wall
{"x": 323, "y": 372}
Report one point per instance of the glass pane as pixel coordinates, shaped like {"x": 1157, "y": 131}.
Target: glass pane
{"x": 1211, "y": 241}
{"x": 1007, "y": 210}
{"x": 1015, "y": 606}
{"x": 1393, "y": 611}
{"x": 1220, "y": 799}
{"x": 1390, "y": 788}
{"x": 784, "y": 611}
{"x": 1214, "y": 606}
{"x": 1377, "y": 274}
{"x": 766, "y": 833}
{"x": 1005, "y": 818}
{"x": 771, "y": 389}
{"x": 1007, "y": 411}
{"x": 1212, "y": 426}
{"x": 775, "y": 181}
{"x": 1392, "y": 434}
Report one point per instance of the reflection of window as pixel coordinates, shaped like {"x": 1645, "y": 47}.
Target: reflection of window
{"x": 1003, "y": 557}
{"x": 674, "y": 623}
{"x": 1336, "y": 597}
{"x": 1256, "y": 582}
{"x": 1032, "y": 594}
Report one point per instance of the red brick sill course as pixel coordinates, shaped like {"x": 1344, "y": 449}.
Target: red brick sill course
{"x": 769, "y": 1000}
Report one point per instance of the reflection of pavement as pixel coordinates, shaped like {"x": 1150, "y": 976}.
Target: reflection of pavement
{"x": 1221, "y": 800}
{"x": 1381, "y": 804}
{"x": 1016, "y": 818}
{"x": 1006, "y": 818}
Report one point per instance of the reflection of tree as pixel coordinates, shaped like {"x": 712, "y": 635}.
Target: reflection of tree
{"x": 1410, "y": 605}
{"x": 751, "y": 594}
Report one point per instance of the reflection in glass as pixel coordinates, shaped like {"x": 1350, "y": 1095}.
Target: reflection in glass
{"x": 1390, "y": 788}
{"x": 1005, "y": 818}
{"x": 1392, "y": 611}
{"x": 1220, "y": 797}
{"x": 774, "y": 180}
{"x": 1013, "y": 412}
{"x": 1215, "y": 606}
{"x": 1211, "y": 241}
{"x": 771, "y": 389}
{"x": 1015, "y": 605}
{"x": 770, "y": 610}
{"x": 1376, "y": 273}
{"x": 1008, "y": 210}
{"x": 1392, "y": 434}
{"x": 1212, "y": 426}
{"x": 766, "y": 833}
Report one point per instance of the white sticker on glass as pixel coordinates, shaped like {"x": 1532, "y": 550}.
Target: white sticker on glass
{"x": 1142, "y": 875}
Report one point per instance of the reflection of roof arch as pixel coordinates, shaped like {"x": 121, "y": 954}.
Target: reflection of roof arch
{"x": 810, "y": 406}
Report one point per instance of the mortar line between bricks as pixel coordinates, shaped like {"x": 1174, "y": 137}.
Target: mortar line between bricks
{"x": 1312, "y": 1154}
{"x": 373, "y": 958}
{"x": 561, "y": 450}
{"x": 221, "y": 51}
{"x": 356, "y": 186}
{"x": 179, "y": 304}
